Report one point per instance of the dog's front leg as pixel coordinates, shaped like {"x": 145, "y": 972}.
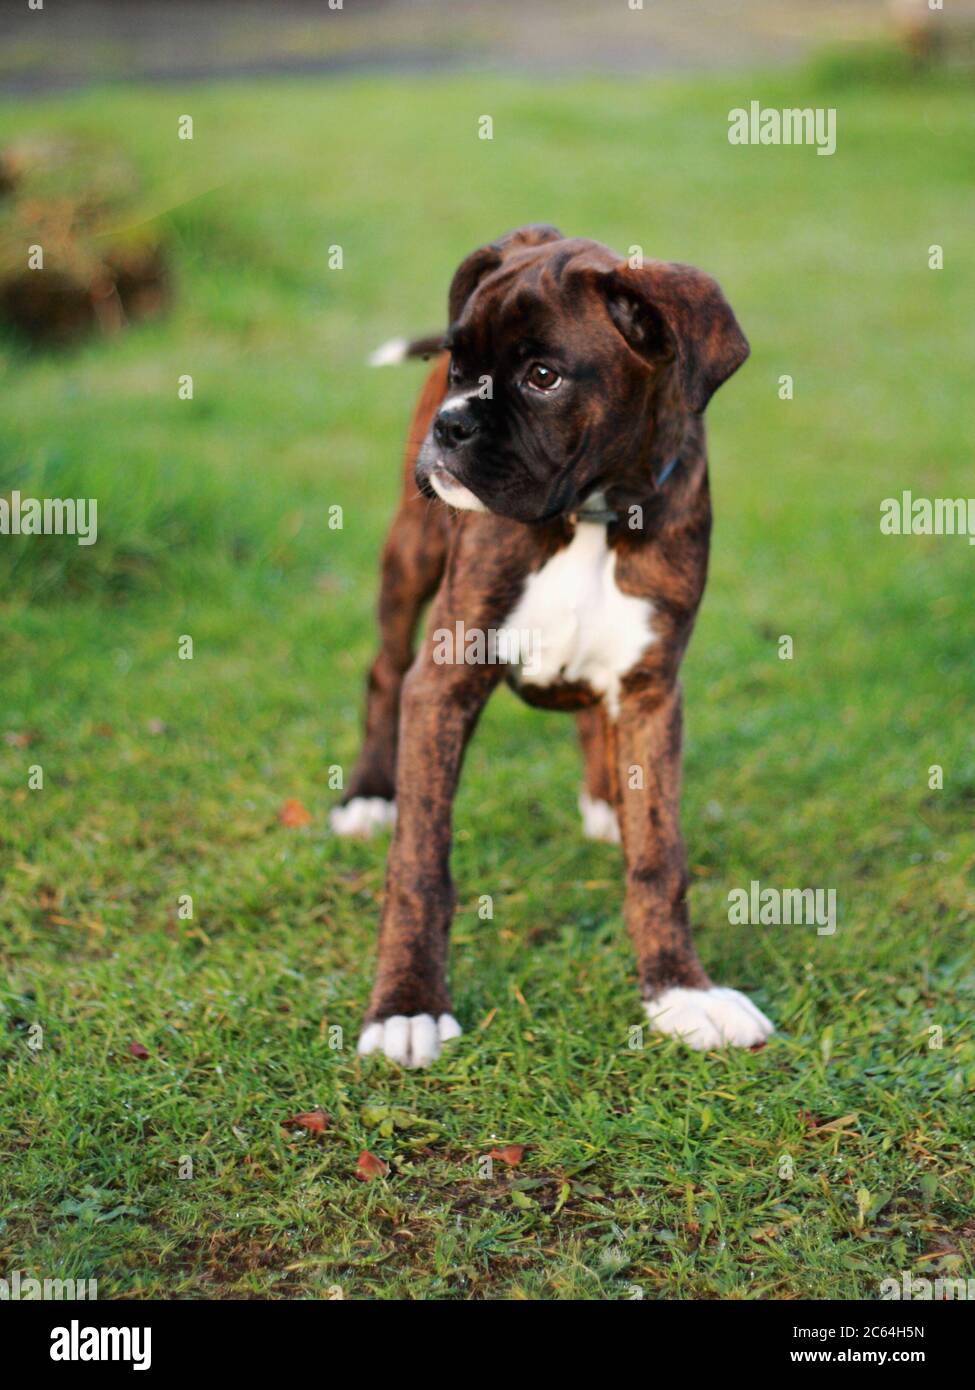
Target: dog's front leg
{"x": 409, "y": 1013}
{"x": 678, "y": 996}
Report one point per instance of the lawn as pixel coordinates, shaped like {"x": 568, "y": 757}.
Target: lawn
{"x": 836, "y": 1157}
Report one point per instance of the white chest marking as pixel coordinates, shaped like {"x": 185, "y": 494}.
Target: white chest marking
{"x": 583, "y": 627}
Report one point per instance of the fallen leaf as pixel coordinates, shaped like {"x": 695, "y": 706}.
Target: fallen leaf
{"x": 18, "y": 740}
{"x": 833, "y": 1125}
{"x": 315, "y": 1119}
{"x": 137, "y": 1050}
{"x": 368, "y": 1166}
{"x": 510, "y": 1154}
{"x": 293, "y": 814}
{"x": 373, "y": 1115}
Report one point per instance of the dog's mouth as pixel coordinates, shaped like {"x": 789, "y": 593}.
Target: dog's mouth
{"x": 436, "y": 477}
{"x": 451, "y": 490}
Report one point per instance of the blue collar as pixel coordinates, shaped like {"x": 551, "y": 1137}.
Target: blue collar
{"x": 667, "y": 470}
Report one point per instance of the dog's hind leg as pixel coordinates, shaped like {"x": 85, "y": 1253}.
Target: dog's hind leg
{"x": 412, "y": 564}
{"x": 597, "y": 799}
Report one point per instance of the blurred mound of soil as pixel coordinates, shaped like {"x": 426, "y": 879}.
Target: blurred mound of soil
{"x": 74, "y": 257}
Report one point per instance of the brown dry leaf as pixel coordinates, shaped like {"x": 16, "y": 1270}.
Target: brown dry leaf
{"x": 833, "y": 1125}
{"x": 316, "y": 1120}
{"x": 368, "y": 1166}
{"x": 137, "y": 1050}
{"x": 510, "y": 1154}
{"x": 18, "y": 740}
{"x": 293, "y": 814}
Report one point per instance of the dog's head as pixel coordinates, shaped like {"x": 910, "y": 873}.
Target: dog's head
{"x": 564, "y": 361}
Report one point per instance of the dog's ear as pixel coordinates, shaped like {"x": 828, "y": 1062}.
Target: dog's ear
{"x": 479, "y": 263}
{"x": 667, "y": 309}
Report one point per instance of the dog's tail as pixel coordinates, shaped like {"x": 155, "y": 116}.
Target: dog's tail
{"x": 397, "y": 350}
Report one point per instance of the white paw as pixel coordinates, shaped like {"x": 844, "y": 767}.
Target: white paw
{"x": 363, "y": 816}
{"x": 706, "y": 1018}
{"x": 413, "y": 1041}
{"x": 598, "y": 820}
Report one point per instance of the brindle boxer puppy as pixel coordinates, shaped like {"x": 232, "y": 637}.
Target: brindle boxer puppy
{"x": 577, "y": 511}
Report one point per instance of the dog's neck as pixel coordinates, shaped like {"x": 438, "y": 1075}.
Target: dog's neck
{"x": 595, "y": 510}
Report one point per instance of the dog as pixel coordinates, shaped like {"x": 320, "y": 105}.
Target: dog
{"x": 557, "y": 486}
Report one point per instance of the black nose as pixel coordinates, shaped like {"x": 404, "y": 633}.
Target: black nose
{"x": 454, "y": 427}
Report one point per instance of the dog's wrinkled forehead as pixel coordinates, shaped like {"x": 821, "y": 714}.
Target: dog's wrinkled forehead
{"x": 538, "y": 299}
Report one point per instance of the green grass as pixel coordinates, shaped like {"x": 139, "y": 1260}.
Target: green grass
{"x": 656, "y": 1168}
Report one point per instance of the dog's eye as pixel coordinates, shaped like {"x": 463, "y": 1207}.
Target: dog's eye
{"x": 541, "y": 378}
